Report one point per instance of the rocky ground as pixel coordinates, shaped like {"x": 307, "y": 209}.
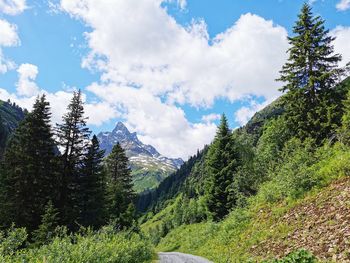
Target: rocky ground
{"x": 321, "y": 224}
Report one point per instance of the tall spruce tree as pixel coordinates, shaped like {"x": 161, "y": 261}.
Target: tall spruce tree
{"x": 219, "y": 163}
{"x": 92, "y": 186}
{"x": 29, "y": 178}
{"x": 120, "y": 194}
{"x": 73, "y": 137}
{"x": 313, "y": 105}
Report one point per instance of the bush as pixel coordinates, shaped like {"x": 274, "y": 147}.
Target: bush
{"x": 106, "y": 245}
{"x": 292, "y": 177}
{"x": 12, "y": 240}
{"x": 300, "y": 256}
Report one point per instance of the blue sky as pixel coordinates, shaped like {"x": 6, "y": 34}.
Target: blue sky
{"x": 166, "y": 68}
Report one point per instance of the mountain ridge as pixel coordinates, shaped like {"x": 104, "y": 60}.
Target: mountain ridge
{"x": 148, "y": 166}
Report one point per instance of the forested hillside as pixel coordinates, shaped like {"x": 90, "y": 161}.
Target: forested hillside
{"x": 10, "y": 116}
{"x": 274, "y": 190}
{"x": 229, "y": 203}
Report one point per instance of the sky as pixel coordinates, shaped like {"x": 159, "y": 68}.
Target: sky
{"x": 167, "y": 68}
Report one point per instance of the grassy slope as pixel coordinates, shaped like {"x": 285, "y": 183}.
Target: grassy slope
{"x": 318, "y": 222}
{"x": 145, "y": 179}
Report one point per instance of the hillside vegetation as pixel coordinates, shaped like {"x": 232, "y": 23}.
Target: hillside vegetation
{"x": 275, "y": 190}
{"x": 10, "y": 116}
{"x": 276, "y": 187}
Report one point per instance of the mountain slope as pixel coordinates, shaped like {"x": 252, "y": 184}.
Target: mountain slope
{"x": 10, "y": 116}
{"x": 148, "y": 166}
{"x": 319, "y": 223}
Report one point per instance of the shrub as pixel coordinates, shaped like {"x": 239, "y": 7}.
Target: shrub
{"x": 300, "y": 256}
{"x": 12, "y": 240}
{"x": 106, "y": 245}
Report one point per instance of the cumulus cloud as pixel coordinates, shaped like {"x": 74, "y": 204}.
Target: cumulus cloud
{"x": 155, "y": 52}
{"x": 8, "y": 38}
{"x": 12, "y": 7}
{"x": 159, "y": 124}
{"x": 343, "y": 5}
{"x": 150, "y": 65}
{"x": 211, "y": 117}
{"x": 28, "y": 90}
{"x": 341, "y": 43}
{"x": 26, "y": 85}
{"x": 8, "y": 34}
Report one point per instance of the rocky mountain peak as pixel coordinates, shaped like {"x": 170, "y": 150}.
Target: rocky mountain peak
{"x": 148, "y": 165}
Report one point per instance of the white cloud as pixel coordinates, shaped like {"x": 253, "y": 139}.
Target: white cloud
{"x": 145, "y": 46}
{"x": 243, "y": 115}
{"x": 342, "y": 43}
{"x": 154, "y": 63}
{"x": 159, "y": 124}
{"x": 8, "y": 38}
{"x": 12, "y": 7}
{"x": 100, "y": 112}
{"x": 182, "y": 3}
{"x": 211, "y": 117}
{"x": 343, "y": 5}
{"x": 8, "y": 34}
{"x": 26, "y": 85}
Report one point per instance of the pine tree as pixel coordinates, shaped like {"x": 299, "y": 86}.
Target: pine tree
{"x": 73, "y": 137}
{"x": 310, "y": 77}
{"x": 49, "y": 222}
{"x": 92, "y": 186}
{"x": 29, "y": 178}
{"x": 220, "y": 162}
{"x": 120, "y": 194}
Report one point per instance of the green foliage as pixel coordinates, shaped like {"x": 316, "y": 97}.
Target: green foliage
{"x": 106, "y": 245}
{"x": 73, "y": 137}
{"x": 12, "y": 240}
{"x": 10, "y": 116}
{"x": 92, "y": 187}
{"x": 119, "y": 187}
{"x": 313, "y": 105}
{"x": 344, "y": 130}
{"x": 29, "y": 178}
{"x": 292, "y": 176}
{"x": 220, "y": 163}
{"x": 48, "y": 225}
{"x": 300, "y": 256}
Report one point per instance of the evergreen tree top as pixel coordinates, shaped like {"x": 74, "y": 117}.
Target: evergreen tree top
{"x": 312, "y": 64}
{"x": 223, "y": 128}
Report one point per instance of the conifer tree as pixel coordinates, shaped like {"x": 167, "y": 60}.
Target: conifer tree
{"x": 92, "y": 186}
{"x": 49, "y": 222}
{"x": 310, "y": 76}
{"x": 73, "y": 137}
{"x": 29, "y": 178}
{"x": 219, "y": 162}
{"x": 120, "y": 194}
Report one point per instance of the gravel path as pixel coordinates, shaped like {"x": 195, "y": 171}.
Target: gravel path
{"x": 176, "y": 257}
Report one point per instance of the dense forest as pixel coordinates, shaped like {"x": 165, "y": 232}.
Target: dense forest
{"x": 62, "y": 201}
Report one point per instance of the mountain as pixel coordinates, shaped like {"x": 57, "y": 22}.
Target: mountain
{"x": 148, "y": 166}
{"x": 10, "y": 116}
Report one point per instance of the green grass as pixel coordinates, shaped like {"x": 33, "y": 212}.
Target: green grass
{"x": 234, "y": 238}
